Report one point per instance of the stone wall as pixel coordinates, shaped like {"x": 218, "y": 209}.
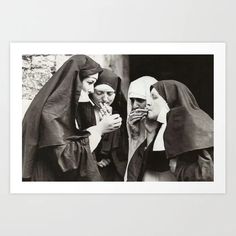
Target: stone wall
{"x": 37, "y": 70}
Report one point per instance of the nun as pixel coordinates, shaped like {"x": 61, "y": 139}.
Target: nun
{"x": 111, "y": 152}
{"x": 54, "y": 147}
{"x": 180, "y": 138}
{"x": 138, "y": 95}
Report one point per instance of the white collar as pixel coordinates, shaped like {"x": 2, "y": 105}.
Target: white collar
{"x": 84, "y": 97}
{"x": 159, "y": 141}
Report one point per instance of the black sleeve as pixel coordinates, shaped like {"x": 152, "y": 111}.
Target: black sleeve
{"x": 195, "y": 166}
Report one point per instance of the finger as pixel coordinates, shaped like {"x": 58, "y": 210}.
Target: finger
{"x": 116, "y": 127}
{"x": 115, "y": 116}
{"x": 105, "y": 162}
{"x": 108, "y": 108}
{"x": 140, "y": 110}
{"x": 103, "y": 111}
{"x": 100, "y": 115}
{"x": 99, "y": 164}
{"x": 101, "y": 105}
{"x": 113, "y": 128}
{"x": 138, "y": 114}
{"x": 105, "y": 108}
{"x": 135, "y": 118}
{"x": 117, "y": 122}
{"x": 102, "y": 164}
{"x": 134, "y": 121}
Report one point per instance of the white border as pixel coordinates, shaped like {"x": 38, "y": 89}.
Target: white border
{"x": 16, "y": 52}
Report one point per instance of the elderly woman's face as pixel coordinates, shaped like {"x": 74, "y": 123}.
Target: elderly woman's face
{"x": 88, "y": 83}
{"x": 137, "y": 103}
{"x": 103, "y": 93}
{"x": 156, "y": 104}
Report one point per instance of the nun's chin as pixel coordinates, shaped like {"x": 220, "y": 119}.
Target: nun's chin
{"x": 151, "y": 116}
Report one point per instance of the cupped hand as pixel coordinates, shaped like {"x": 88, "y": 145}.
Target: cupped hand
{"x": 109, "y": 123}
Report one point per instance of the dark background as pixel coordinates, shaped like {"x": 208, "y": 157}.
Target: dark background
{"x": 195, "y": 71}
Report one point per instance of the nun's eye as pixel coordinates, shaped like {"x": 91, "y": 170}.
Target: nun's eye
{"x": 90, "y": 82}
{"x": 98, "y": 92}
{"x": 110, "y": 93}
{"x": 139, "y": 100}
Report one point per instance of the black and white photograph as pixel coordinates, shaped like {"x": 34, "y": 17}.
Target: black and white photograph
{"x": 129, "y": 120}
{"x": 117, "y": 118}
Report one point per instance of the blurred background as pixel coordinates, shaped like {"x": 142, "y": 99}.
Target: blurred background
{"x": 195, "y": 71}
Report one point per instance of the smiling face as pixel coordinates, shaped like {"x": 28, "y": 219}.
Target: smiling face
{"x": 88, "y": 83}
{"x": 103, "y": 93}
{"x": 156, "y": 104}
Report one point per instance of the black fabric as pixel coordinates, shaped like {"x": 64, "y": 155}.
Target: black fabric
{"x": 197, "y": 165}
{"x": 188, "y": 127}
{"x": 50, "y": 119}
{"x": 157, "y": 161}
{"x": 147, "y": 159}
{"x": 113, "y": 145}
{"x": 109, "y": 78}
{"x": 136, "y": 165}
{"x": 188, "y": 138}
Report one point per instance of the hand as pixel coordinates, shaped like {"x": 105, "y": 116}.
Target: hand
{"x": 109, "y": 123}
{"x": 172, "y": 164}
{"x": 133, "y": 119}
{"x": 105, "y": 110}
{"x": 136, "y": 115}
{"x": 104, "y": 162}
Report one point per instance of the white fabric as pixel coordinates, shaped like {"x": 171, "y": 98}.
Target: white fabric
{"x": 159, "y": 141}
{"x": 154, "y": 176}
{"x": 139, "y": 88}
{"x": 84, "y": 97}
{"x": 95, "y": 136}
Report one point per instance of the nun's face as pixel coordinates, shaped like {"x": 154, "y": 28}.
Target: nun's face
{"x": 156, "y": 104}
{"x": 88, "y": 83}
{"x": 103, "y": 93}
{"x": 138, "y": 103}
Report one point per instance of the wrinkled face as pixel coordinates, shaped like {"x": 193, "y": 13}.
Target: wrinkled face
{"x": 103, "y": 93}
{"x": 138, "y": 103}
{"x": 88, "y": 83}
{"x": 156, "y": 104}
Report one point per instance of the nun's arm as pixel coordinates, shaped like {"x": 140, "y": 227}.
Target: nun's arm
{"x": 74, "y": 158}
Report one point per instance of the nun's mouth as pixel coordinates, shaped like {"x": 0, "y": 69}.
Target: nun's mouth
{"x": 101, "y": 104}
{"x": 149, "y": 111}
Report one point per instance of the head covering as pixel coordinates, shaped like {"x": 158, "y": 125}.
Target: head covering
{"x": 139, "y": 88}
{"x": 112, "y": 140}
{"x": 113, "y": 144}
{"x": 109, "y": 78}
{"x": 188, "y": 127}
{"x": 50, "y": 119}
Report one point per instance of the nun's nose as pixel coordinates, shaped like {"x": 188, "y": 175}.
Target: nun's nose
{"x": 105, "y": 98}
{"x": 91, "y": 89}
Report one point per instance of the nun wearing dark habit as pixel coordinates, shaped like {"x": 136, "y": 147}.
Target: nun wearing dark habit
{"x": 107, "y": 100}
{"x": 180, "y": 138}
{"x": 54, "y": 147}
